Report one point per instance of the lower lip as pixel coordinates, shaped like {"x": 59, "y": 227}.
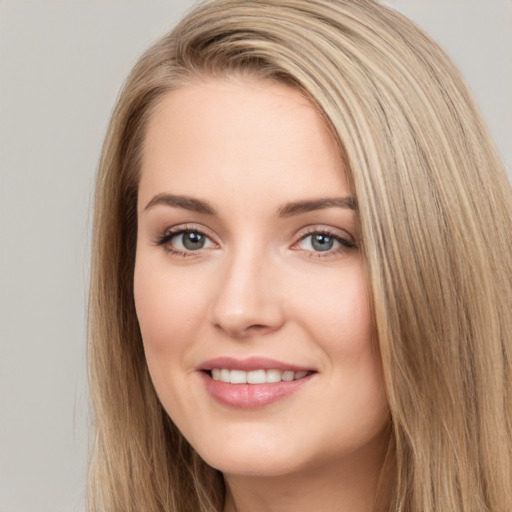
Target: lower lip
{"x": 251, "y": 396}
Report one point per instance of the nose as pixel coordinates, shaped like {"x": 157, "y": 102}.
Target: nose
{"x": 247, "y": 300}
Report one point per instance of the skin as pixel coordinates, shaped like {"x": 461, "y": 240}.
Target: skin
{"x": 259, "y": 287}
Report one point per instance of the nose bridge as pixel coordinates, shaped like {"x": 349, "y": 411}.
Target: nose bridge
{"x": 246, "y": 299}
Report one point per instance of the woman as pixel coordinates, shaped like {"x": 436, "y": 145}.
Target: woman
{"x": 301, "y": 276}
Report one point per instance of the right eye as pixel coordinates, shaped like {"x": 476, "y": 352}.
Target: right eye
{"x": 189, "y": 240}
{"x": 185, "y": 241}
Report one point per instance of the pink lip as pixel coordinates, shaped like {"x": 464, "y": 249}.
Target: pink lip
{"x": 250, "y": 396}
{"x": 250, "y": 363}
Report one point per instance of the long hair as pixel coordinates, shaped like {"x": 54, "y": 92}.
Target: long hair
{"x": 435, "y": 209}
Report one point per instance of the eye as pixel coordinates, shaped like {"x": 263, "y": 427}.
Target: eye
{"x": 324, "y": 243}
{"x": 320, "y": 242}
{"x": 189, "y": 240}
{"x": 184, "y": 241}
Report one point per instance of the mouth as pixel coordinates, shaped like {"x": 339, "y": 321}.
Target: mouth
{"x": 252, "y": 383}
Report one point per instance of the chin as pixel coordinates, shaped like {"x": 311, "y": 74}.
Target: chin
{"x": 261, "y": 467}
{"x": 252, "y": 457}
{"x": 259, "y": 450}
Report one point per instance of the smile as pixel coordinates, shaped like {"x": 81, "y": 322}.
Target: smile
{"x": 260, "y": 376}
{"x": 254, "y": 382}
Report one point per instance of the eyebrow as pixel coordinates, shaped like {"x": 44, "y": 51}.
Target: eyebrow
{"x": 287, "y": 210}
{"x": 299, "y": 207}
{"x": 187, "y": 203}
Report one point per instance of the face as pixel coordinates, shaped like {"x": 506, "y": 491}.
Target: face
{"x": 249, "y": 285}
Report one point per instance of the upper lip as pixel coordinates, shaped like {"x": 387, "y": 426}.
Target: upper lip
{"x": 249, "y": 364}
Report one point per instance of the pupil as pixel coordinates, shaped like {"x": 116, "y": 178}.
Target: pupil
{"x": 322, "y": 242}
{"x": 193, "y": 241}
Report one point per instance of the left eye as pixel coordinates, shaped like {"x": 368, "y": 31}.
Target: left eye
{"x": 322, "y": 242}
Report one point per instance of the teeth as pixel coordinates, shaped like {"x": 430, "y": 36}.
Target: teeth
{"x": 287, "y": 376}
{"x": 237, "y": 377}
{"x": 273, "y": 375}
{"x": 256, "y": 376}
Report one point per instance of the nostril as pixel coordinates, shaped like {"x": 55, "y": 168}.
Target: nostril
{"x": 258, "y": 327}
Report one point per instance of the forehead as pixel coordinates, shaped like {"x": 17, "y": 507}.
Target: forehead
{"x": 241, "y": 138}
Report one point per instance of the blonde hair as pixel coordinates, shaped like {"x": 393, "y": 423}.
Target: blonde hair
{"x": 435, "y": 208}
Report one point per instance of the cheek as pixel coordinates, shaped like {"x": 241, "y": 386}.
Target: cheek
{"x": 337, "y": 313}
{"x": 168, "y": 307}
{"x": 337, "y": 316}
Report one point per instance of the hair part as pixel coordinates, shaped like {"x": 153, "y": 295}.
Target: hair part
{"x": 435, "y": 207}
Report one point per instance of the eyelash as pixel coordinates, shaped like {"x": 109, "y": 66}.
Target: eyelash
{"x": 345, "y": 243}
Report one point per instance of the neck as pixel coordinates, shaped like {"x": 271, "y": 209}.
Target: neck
{"x": 349, "y": 485}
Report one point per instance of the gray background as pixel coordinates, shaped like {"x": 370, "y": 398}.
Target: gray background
{"x": 61, "y": 66}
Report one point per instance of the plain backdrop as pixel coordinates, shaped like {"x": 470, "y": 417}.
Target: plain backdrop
{"x": 61, "y": 66}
